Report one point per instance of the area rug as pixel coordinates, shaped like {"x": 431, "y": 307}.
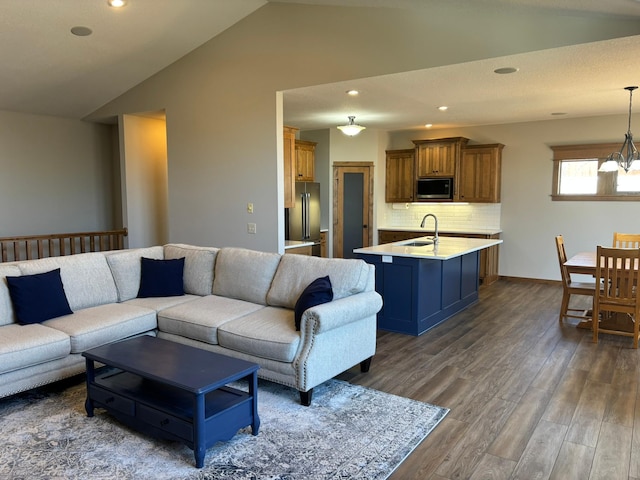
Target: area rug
{"x": 348, "y": 432}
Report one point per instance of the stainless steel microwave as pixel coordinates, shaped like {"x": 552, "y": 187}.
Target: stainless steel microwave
{"x": 434, "y": 189}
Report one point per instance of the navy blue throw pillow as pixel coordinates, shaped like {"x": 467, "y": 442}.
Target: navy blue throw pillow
{"x": 38, "y": 297}
{"x": 161, "y": 278}
{"x": 317, "y": 292}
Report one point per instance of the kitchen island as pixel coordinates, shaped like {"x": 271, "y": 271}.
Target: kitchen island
{"x": 423, "y": 284}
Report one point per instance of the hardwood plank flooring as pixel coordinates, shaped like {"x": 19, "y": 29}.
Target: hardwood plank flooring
{"x": 529, "y": 397}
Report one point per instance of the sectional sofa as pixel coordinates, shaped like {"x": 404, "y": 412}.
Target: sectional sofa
{"x": 235, "y": 301}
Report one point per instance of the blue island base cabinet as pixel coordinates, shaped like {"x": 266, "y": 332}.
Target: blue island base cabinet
{"x": 420, "y": 293}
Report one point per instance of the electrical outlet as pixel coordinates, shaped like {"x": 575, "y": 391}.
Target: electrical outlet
{"x": 251, "y": 228}
{"x": 249, "y": 207}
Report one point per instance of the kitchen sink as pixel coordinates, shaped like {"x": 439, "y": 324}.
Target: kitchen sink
{"x": 418, "y": 243}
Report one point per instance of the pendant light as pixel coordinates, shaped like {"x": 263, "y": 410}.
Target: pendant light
{"x": 351, "y": 128}
{"x": 628, "y": 157}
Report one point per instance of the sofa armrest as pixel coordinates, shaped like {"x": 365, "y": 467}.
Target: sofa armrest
{"x": 328, "y": 316}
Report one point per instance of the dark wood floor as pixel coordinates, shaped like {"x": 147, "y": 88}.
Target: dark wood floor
{"x": 529, "y": 398}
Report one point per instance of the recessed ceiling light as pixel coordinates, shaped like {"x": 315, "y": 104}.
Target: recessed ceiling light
{"x": 505, "y": 70}
{"x": 558, "y": 113}
{"x": 428, "y": 125}
{"x": 81, "y": 31}
{"x": 443, "y": 108}
{"x": 116, "y": 3}
{"x": 353, "y": 93}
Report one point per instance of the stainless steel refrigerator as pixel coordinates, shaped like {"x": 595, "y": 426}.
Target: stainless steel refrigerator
{"x": 303, "y": 220}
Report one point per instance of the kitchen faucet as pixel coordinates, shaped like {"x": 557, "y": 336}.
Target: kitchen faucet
{"x": 435, "y": 236}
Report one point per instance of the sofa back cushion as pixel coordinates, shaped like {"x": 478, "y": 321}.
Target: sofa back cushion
{"x": 7, "y": 314}
{"x": 295, "y": 272}
{"x": 125, "y": 267}
{"x": 244, "y": 274}
{"x": 198, "y": 266}
{"x": 86, "y": 278}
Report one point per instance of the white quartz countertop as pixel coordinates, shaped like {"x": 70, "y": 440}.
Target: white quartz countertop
{"x": 479, "y": 231}
{"x": 448, "y": 247}
{"x": 297, "y": 243}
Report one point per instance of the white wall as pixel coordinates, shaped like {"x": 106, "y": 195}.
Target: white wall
{"x": 144, "y": 177}
{"x": 56, "y": 175}
{"x": 529, "y": 219}
{"x": 223, "y": 112}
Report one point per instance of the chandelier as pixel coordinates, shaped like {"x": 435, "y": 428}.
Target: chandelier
{"x": 627, "y": 158}
{"x": 351, "y": 128}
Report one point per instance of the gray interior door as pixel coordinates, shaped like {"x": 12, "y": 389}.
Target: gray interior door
{"x": 353, "y": 213}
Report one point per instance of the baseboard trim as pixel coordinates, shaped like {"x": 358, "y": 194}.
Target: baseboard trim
{"x": 534, "y": 280}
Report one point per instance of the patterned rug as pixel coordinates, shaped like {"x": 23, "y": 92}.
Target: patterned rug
{"x": 349, "y": 431}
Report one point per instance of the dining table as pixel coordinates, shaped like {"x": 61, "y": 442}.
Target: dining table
{"x": 584, "y": 263}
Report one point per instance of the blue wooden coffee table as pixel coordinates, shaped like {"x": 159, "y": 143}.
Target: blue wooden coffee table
{"x": 174, "y": 391}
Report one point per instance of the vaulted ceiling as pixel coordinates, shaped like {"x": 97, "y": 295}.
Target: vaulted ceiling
{"x": 45, "y": 69}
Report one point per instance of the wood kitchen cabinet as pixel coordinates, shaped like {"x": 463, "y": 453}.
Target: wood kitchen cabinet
{"x": 323, "y": 244}
{"x": 479, "y": 175}
{"x": 289, "y": 166}
{"x": 305, "y": 161}
{"x": 488, "y": 256}
{"x": 304, "y": 250}
{"x": 400, "y": 178}
{"x": 439, "y": 157}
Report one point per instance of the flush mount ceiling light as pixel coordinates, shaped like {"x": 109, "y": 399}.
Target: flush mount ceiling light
{"x": 351, "y": 128}
{"x": 353, "y": 93}
{"x": 443, "y": 108}
{"x": 81, "y": 31}
{"x": 116, "y": 3}
{"x": 505, "y": 70}
{"x": 627, "y": 158}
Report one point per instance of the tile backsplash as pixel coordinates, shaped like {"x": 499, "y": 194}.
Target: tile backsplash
{"x": 454, "y": 216}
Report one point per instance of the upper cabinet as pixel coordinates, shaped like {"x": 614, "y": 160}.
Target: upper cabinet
{"x": 289, "y": 166}
{"x": 305, "y": 161}
{"x": 480, "y": 174}
{"x": 475, "y": 169}
{"x": 400, "y": 176}
{"x": 438, "y": 158}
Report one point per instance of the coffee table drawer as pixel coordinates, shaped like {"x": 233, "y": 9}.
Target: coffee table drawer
{"x": 165, "y": 422}
{"x": 111, "y": 400}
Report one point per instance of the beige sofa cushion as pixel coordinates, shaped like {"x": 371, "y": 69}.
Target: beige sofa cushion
{"x": 7, "y": 315}
{"x": 244, "y": 274}
{"x": 125, "y": 267}
{"x": 103, "y": 324}
{"x": 86, "y": 278}
{"x": 198, "y": 266}
{"x": 268, "y": 333}
{"x": 26, "y": 345}
{"x": 161, "y": 303}
{"x": 295, "y": 272}
{"x": 201, "y": 318}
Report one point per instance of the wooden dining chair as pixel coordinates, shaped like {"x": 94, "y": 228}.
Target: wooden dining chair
{"x": 619, "y": 269}
{"x": 626, "y": 240}
{"x": 570, "y": 288}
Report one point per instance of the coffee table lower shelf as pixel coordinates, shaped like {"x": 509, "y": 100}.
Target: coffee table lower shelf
{"x": 164, "y": 411}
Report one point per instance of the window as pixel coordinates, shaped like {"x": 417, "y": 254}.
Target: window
{"x": 576, "y": 175}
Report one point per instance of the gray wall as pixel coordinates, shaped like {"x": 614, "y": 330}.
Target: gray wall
{"x": 56, "y": 175}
